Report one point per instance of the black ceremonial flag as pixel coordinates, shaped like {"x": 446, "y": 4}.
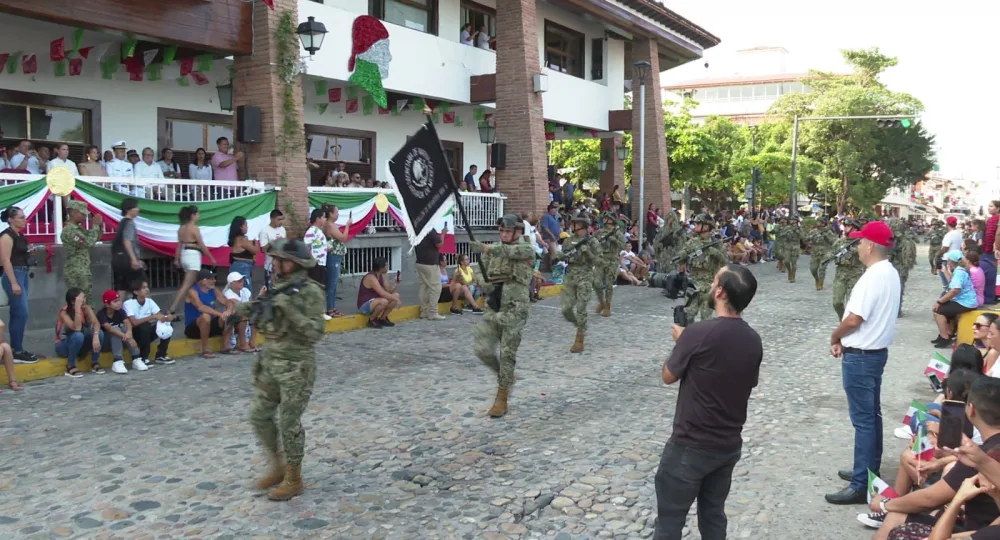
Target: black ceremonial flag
{"x": 421, "y": 178}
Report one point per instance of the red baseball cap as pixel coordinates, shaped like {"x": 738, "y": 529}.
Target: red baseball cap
{"x": 109, "y": 296}
{"x": 877, "y": 232}
{"x": 952, "y": 220}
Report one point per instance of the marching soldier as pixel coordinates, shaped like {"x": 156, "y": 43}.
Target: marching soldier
{"x": 581, "y": 251}
{"x": 606, "y": 268}
{"x": 78, "y": 242}
{"x": 822, "y": 238}
{"x": 284, "y": 373}
{"x": 509, "y": 272}
{"x": 779, "y": 242}
{"x": 849, "y": 267}
{"x": 936, "y": 237}
{"x": 791, "y": 236}
{"x": 903, "y": 255}
{"x": 702, "y": 265}
{"x": 666, "y": 243}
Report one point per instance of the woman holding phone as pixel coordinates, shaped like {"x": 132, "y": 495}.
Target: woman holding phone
{"x": 336, "y": 242}
{"x": 14, "y": 251}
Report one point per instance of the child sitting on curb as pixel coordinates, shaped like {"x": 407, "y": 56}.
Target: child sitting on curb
{"x": 118, "y": 329}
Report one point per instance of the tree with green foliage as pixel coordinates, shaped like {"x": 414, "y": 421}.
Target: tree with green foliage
{"x": 858, "y": 161}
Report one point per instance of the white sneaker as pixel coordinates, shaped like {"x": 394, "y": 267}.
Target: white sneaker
{"x": 119, "y": 367}
{"x": 327, "y": 317}
{"x": 903, "y": 432}
{"x": 139, "y": 365}
{"x": 435, "y": 317}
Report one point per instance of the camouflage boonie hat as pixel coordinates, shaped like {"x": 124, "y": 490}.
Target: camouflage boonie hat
{"x": 511, "y": 221}
{"x": 294, "y": 250}
{"x": 79, "y": 206}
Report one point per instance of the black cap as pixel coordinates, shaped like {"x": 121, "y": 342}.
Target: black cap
{"x": 205, "y": 273}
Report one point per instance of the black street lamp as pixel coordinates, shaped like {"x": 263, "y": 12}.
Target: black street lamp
{"x": 311, "y": 33}
{"x": 622, "y": 152}
{"x": 487, "y": 133}
{"x": 602, "y": 164}
{"x": 225, "y": 96}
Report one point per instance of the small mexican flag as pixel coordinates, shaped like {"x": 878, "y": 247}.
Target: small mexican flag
{"x": 922, "y": 446}
{"x": 915, "y": 406}
{"x": 939, "y": 365}
{"x": 877, "y": 485}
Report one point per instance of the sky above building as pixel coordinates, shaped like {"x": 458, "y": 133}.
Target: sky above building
{"x": 946, "y": 53}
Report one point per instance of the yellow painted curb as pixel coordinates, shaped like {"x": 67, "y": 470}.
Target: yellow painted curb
{"x": 180, "y": 348}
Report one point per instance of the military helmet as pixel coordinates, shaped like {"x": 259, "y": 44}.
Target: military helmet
{"x": 511, "y": 221}
{"x": 580, "y": 220}
{"x": 896, "y": 225}
{"x": 294, "y": 250}
{"x": 851, "y": 222}
{"x": 822, "y": 220}
{"x": 704, "y": 219}
{"x": 608, "y": 216}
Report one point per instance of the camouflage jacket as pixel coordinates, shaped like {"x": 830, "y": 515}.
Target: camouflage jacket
{"x": 611, "y": 246}
{"x": 904, "y": 254}
{"x": 704, "y": 263}
{"x": 297, "y": 322}
{"x": 848, "y": 266}
{"x": 791, "y": 237}
{"x": 78, "y": 242}
{"x": 822, "y": 240}
{"x": 936, "y": 237}
{"x": 582, "y": 253}
{"x": 510, "y": 265}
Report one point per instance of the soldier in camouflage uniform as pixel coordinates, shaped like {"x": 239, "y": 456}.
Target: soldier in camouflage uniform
{"x": 779, "y": 242}
{"x": 822, "y": 239}
{"x": 284, "y": 373}
{"x": 903, "y": 255}
{"x": 581, "y": 251}
{"x": 849, "y": 267}
{"x": 667, "y": 242}
{"x": 78, "y": 242}
{"x": 508, "y": 270}
{"x": 791, "y": 242}
{"x": 606, "y": 269}
{"x": 702, "y": 265}
{"x": 936, "y": 237}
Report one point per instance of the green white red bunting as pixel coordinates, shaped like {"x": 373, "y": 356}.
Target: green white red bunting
{"x": 360, "y": 206}
{"x": 28, "y": 196}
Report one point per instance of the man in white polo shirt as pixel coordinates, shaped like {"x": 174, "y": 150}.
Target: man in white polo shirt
{"x": 862, "y": 342}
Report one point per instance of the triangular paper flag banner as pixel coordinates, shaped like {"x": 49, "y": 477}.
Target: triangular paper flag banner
{"x": 85, "y": 52}
{"x": 187, "y": 66}
{"x": 550, "y": 127}
{"x": 149, "y": 56}
{"x": 169, "y": 54}
{"x": 269, "y": 3}
{"x": 320, "y": 85}
{"x": 57, "y": 50}
{"x": 351, "y": 106}
{"x": 59, "y": 68}
{"x": 395, "y": 111}
{"x": 352, "y": 92}
{"x": 444, "y": 107}
{"x": 3, "y": 60}
{"x": 183, "y": 81}
{"x": 449, "y": 117}
{"x": 458, "y": 121}
{"x": 102, "y": 50}
{"x": 383, "y": 111}
{"x": 109, "y": 67}
{"x": 135, "y": 76}
{"x": 322, "y": 107}
{"x": 128, "y": 47}
{"x": 12, "y": 61}
{"x": 401, "y": 104}
{"x": 367, "y": 105}
{"x": 29, "y": 64}
{"x": 418, "y": 104}
{"x": 133, "y": 65}
{"x": 77, "y": 40}
{"x": 153, "y": 71}
{"x": 333, "y": 95}
{"x": 75, "y": 67}
{"x": 205, "y": 63}
{"x": 199, "y": 78}
{"x": 436, "y": 117}
{"x": 479, "y": 114}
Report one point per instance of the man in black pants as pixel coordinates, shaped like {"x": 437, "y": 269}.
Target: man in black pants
{"x": 145, "y": 315}
{"x": 717, "y": 363}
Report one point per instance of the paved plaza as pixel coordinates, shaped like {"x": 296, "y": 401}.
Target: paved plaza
{"x": 398, "y": 444}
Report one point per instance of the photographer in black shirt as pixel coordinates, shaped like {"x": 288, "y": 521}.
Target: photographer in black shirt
{"x": 717, "y": 363}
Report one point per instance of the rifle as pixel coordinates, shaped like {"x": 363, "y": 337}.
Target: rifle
{"x": 572, "y": 254}
{"x": 687, "y": 256}
{"x": 842, "y": 251}
{"x": 263, "y": 306}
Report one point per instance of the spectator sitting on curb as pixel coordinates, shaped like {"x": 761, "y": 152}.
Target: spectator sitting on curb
{"x": 118, "y": 330}
{"x": 236, "y": 292}
{"x": 148, "y": 325}
{"x": 201, "y": 317}
{"x": 7, "y": 356}
{"x": 376, "y": 298}
{"x": 75, "y": 324}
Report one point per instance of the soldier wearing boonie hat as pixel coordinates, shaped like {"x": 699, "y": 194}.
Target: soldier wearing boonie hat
{"x": 77, "y": 242}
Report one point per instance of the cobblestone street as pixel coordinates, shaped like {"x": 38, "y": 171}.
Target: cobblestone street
{"x": 398, "y": 444}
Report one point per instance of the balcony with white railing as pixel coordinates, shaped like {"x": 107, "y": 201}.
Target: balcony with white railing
{"x": 482, "y": 209}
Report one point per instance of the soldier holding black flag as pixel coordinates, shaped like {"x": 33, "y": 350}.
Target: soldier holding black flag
{"x": 510, "y": 265}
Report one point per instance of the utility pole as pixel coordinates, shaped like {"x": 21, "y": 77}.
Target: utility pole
{"x": 754, "y": 173}
{"x": 905, "y": 118}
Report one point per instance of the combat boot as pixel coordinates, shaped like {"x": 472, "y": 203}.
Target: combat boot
{"x": 499, "y": 404}
{"x": 290, "y": 486}
{"x": 600, "y": 307}
{"x": 791, "y": 276}
{"x": 275, "y": 475}
{"x": 781, "y": 266}
{"x": 578, "y": 344}
{"x": 607, "y": 310}
{"x": 819, "y": 284}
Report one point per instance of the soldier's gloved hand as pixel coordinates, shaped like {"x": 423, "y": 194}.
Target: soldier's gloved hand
{"x": 476, "y": 247}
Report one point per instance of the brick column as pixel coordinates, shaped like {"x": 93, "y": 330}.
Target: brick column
{"x": 279, "y": 158}
{"x": 657, "y": 182}
{"x": 519, "y": 120}
{"x": 615, "y": 173}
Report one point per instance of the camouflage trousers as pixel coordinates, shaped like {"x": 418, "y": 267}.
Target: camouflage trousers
{"x": 699, "y": 304}
{"x": 791, "y": 259}
{"x": 605, "y": 275}
{"x": 841, "y": 292}
{"x": 282, "y": 389}
{"x": 904, "y": 274}
{"x": 576, "y": 293}
{"x": 80, "y": 280}
{"x": 500, "y": 328}
{"x": 817, "y": 266}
